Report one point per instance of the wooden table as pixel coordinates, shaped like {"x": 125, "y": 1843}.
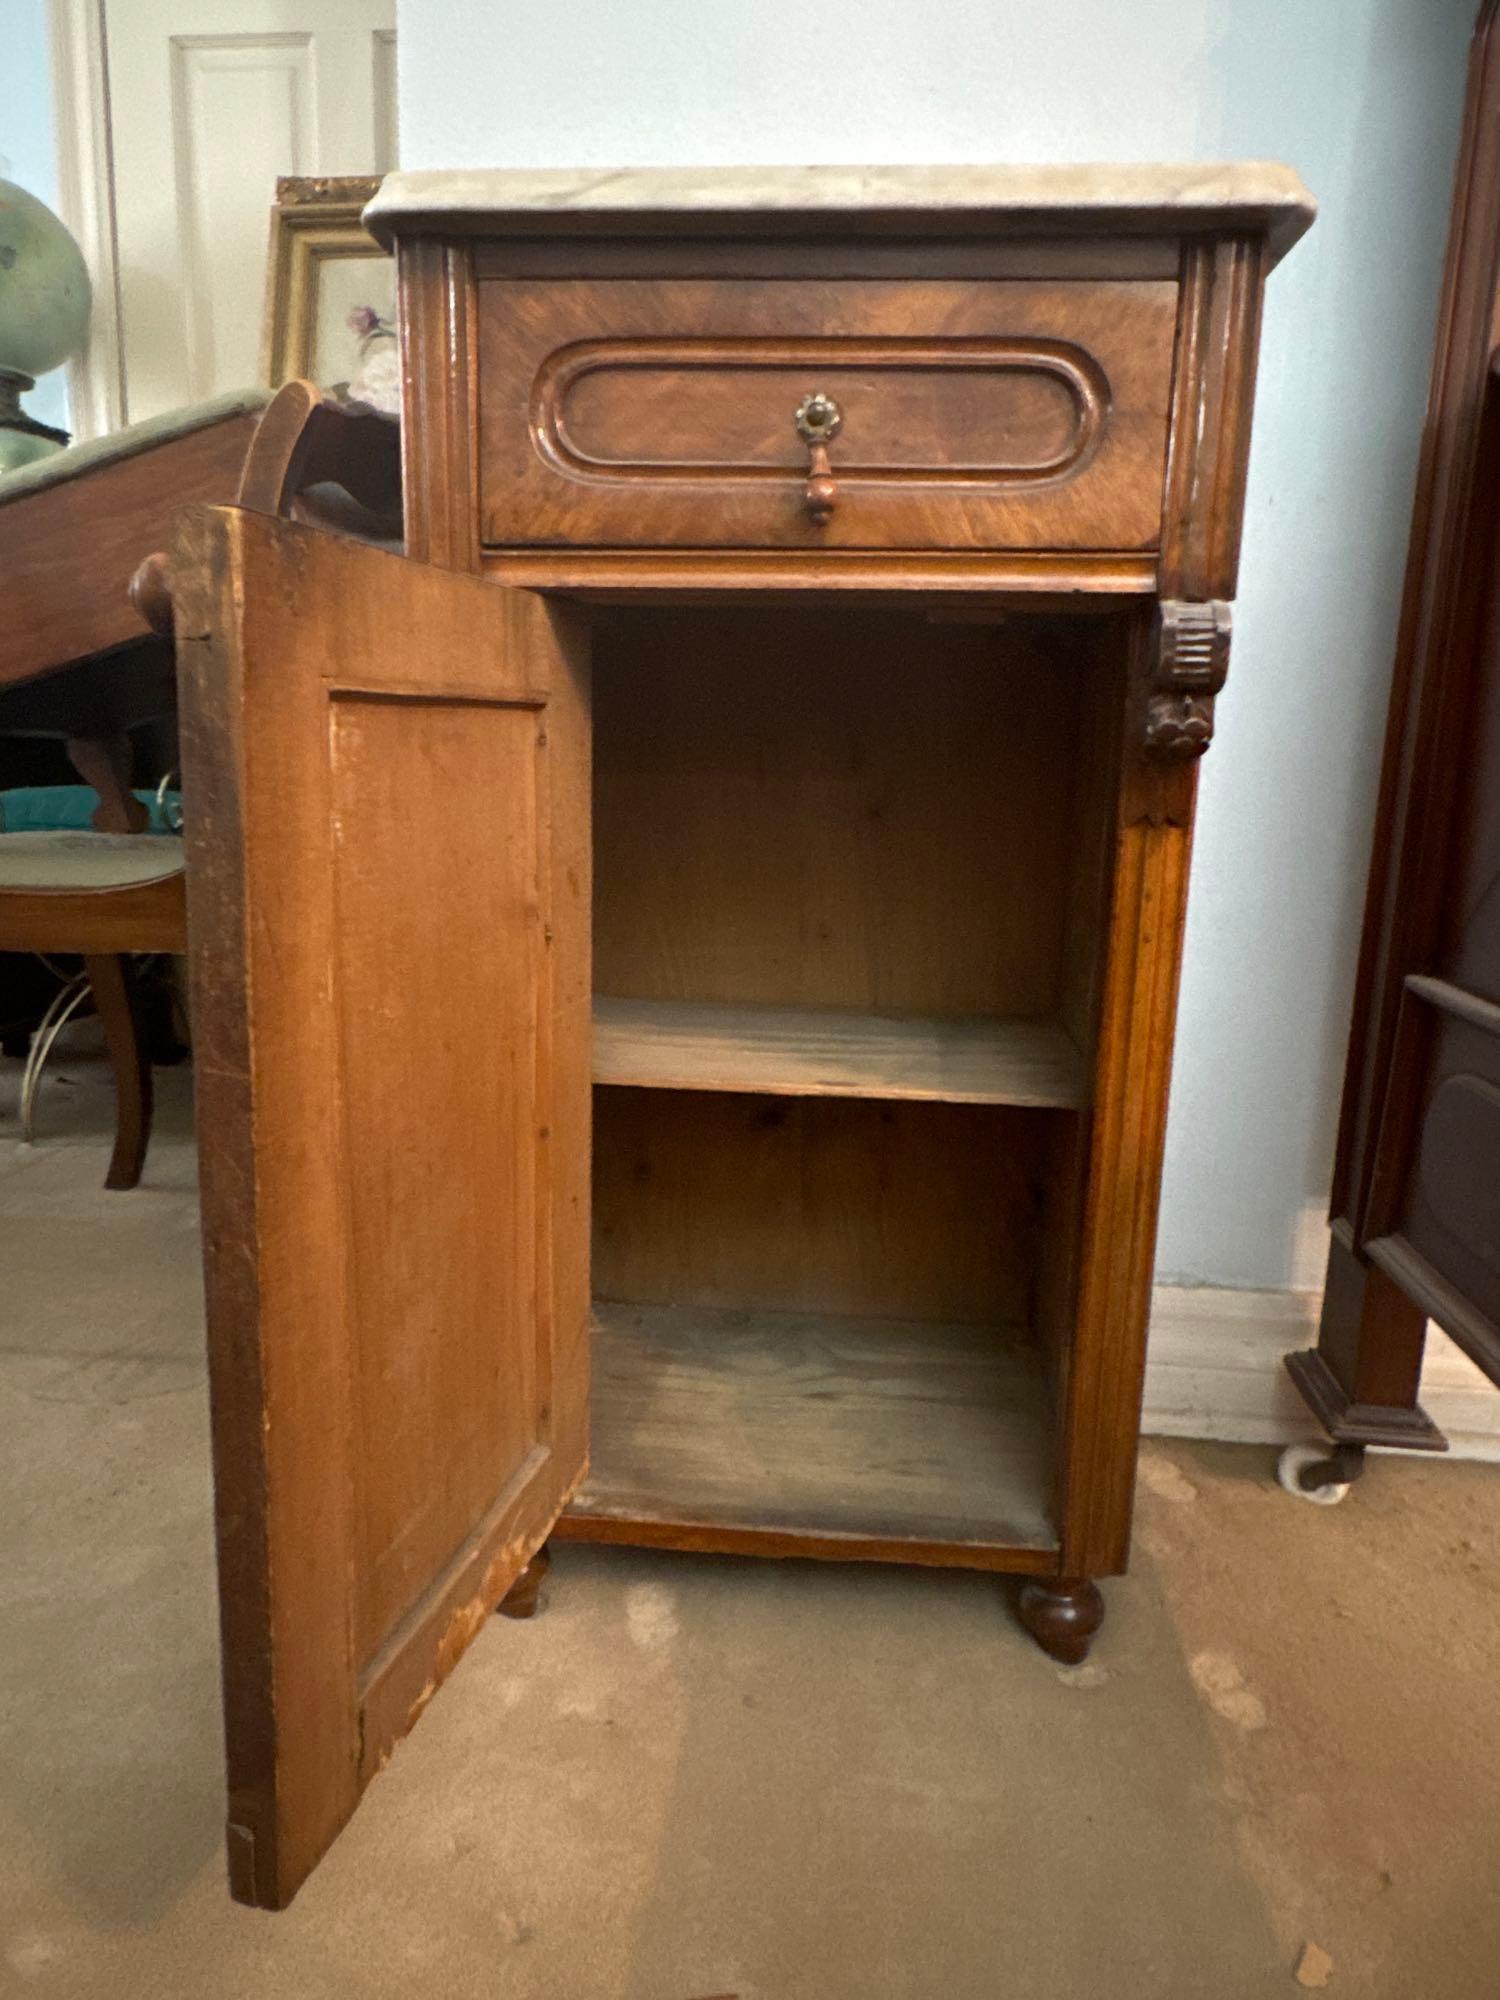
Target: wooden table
{"x": 76, "y": 659}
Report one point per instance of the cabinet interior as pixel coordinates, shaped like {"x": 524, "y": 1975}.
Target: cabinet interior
{"x": 849, "y": 902}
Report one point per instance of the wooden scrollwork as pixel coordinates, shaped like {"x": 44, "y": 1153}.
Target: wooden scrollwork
{"x": 1192, "y": 660}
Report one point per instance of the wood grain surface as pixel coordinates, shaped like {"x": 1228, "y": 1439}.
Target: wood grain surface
{"x": 818, "y": 1204}
{"x": 827, "y": 1052}
{"x": 68, "y": 552}
{"x": 828, "y": 1426}
{"x": 978, "y": 414}
{"x": 836, "y": 808}
{"x": 396, "y": 1261}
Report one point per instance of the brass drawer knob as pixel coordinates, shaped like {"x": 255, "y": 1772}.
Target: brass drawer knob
{"x": 818, "y": 419}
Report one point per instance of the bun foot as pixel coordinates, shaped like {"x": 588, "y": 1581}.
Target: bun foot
{"x": 1062, "y": 1614}
{"x": 520, "y": 1601}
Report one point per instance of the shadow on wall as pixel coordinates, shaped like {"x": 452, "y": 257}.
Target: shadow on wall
{"x": 1366, "y": 103}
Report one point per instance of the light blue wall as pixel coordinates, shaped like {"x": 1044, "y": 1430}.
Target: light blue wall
{"x": 1363, "y": 96}
{"x": 27, "y": 156}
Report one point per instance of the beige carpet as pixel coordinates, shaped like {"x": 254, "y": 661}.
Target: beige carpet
{"x": 695, "y": 1777}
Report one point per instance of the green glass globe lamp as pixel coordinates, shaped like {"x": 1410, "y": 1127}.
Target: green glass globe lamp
{"x": 45, "y": 298}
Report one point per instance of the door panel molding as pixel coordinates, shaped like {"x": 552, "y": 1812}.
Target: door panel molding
{"x": 395, "y": 1111}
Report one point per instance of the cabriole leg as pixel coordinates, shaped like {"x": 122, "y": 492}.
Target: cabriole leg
{"x": 112, "y": 979}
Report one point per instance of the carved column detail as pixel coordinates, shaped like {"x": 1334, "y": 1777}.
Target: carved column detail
{"x": 1192, "y": 660}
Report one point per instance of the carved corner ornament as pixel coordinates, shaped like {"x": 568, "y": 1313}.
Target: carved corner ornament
{"x": 1192, "y": 660}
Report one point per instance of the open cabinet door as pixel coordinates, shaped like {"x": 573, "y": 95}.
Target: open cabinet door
{"x": 388, "y": 861}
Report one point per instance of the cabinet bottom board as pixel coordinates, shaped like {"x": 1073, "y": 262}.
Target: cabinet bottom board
{"x": 803, "y": 1434}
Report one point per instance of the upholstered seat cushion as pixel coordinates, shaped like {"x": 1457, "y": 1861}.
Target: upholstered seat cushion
{"x": 74, "y": 860}
{"x": 61, "y": 466}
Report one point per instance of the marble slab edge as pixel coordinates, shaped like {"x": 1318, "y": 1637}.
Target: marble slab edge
{"x": 1137, "y": 199}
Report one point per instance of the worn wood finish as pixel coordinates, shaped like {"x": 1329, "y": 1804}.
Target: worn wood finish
{"x": 1218, "y": 335}
{"x": 860, "y": 763}
{"x": 61, "y": 606}
{"x": 828, "y": 1052}
{"x": 1037, "y": 578}
{"x": 439, "y": 403}
{"x": 399, "y": 1406}
{"x": 802, "y": 1544}
{"x": 815, "y": 808}
{"x": 145, "y": 916}
{"x": 975, "y": 414}
{"x": 1108, "y": 951}
{"x": 1101, "y": 654}
{"x": 308, "y": 439}
{"x": 1041, "y": 259}
{"x": 1218, "y": 339}
{"x": 912, "y": 1211}
{"x": 523, "y": 1599}
{"x": 1417, "y": 1128}
{"x": 838, "y": 1429}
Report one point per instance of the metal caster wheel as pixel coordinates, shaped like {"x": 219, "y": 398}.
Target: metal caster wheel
{"x": 1320, "y": 1473}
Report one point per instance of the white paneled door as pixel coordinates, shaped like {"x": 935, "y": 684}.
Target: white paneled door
{"x": 208, "y": 101}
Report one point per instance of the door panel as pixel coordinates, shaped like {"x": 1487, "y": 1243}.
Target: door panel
{"x": 223, "y": 96}
{"x": 388, "y": 914}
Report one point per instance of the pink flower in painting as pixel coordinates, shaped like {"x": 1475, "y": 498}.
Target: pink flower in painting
{"x": 363, "y": 321}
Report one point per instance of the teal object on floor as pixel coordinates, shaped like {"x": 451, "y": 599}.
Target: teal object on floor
{"x": 64, "y": 808}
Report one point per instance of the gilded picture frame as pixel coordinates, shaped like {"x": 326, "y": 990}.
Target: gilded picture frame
{"x": 322, "y": 266}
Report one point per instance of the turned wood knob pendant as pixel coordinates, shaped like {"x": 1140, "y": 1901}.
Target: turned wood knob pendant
{"x": 818, "y": 419}
{"x": 1062, "y": 1614}
{"x": 150, "y": 592}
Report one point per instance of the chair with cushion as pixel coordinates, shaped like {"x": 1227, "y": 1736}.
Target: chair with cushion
{"x": 78, "y": 666}
{"x": 86, "y": 659}
{"x": 105, "y": 896}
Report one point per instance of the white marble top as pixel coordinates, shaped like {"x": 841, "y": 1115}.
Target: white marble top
{"x": 1155, "y": 198}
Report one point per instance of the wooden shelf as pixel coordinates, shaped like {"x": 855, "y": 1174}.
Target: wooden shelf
{"x": 794, "y": 1433}
{"x": 826, "y": 1052}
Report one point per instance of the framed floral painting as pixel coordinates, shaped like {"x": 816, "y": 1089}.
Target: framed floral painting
{"x": 330, "y": 292}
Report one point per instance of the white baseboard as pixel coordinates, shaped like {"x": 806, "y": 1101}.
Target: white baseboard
{"x": 1214, "y": 1370}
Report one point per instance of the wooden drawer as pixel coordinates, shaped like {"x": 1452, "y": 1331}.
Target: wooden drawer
{"x": 1003, "y": 413}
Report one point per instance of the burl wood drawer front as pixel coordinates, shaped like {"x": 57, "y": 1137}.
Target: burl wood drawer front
{"x": 998, "y": 414}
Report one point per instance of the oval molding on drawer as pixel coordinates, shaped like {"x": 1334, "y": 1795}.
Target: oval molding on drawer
{"x": 965, "y": 412}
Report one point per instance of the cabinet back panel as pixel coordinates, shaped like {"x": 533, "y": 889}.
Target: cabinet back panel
{"x": 852, "y": 808}
{"x": 912, "y": 1211}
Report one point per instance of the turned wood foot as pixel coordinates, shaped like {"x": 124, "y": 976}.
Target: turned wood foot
{"x": 1062, "y": 1614}
{"x": 520, "y": 1601}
